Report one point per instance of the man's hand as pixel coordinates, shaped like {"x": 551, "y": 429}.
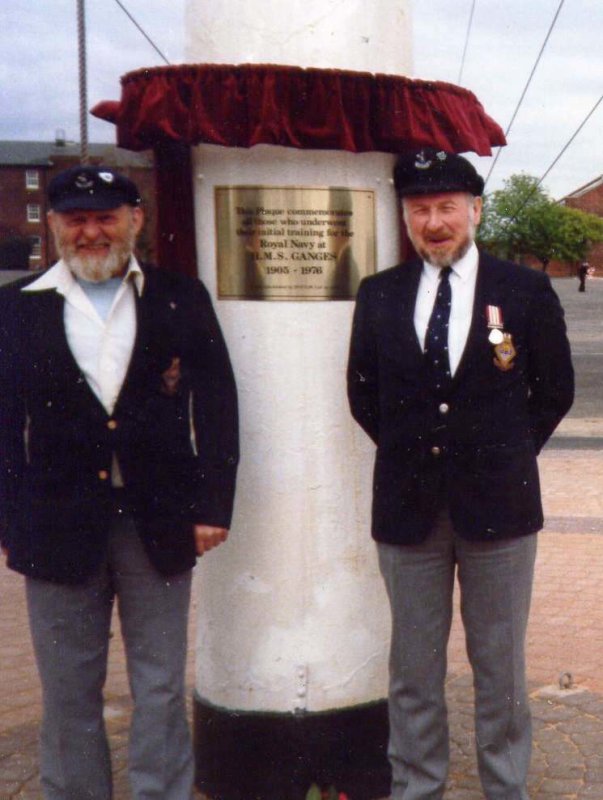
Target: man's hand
{"x": 208, "y": 537}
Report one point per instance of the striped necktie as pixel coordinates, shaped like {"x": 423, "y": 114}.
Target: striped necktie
{"x": 436, "y": 338}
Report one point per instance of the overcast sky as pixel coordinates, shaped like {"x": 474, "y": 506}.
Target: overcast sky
{"x": 39, "y": 90}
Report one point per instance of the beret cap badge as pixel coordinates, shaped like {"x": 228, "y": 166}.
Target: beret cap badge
{"x": 83, "y": 182}
{"x": 421, "y": 161}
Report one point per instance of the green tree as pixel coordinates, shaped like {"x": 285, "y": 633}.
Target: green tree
{"x": 522, "y": 220}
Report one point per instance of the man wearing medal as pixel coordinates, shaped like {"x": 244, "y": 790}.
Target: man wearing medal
{"x": 459, "y": 371}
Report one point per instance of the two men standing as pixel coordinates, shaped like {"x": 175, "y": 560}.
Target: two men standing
{"x": 459, "y": 371}
{"x": 118, "y": 456}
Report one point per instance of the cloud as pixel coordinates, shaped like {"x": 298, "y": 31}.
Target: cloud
{"x": 505, "y": 41}
{"x": 39, "y": 87}
{"x": 39, "y": 70}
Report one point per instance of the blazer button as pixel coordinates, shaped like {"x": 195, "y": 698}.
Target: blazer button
{"x": 444, "y": 408}
{"x": 112, "y": 424}
{"x": 435, "y": 451}
{"x": 103, "y": 474}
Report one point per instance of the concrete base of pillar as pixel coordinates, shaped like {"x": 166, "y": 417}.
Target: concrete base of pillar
{"x": 277, "y": 756}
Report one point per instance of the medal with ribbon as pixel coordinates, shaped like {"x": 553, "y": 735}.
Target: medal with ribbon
{"x": 504, "y": 350}
{"x": 495, "y": 324}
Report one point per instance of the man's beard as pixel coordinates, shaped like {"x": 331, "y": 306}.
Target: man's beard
{"x": 97, "y": 269}
{"x": 442, "y": 260}
{"x": 446, "y": 259}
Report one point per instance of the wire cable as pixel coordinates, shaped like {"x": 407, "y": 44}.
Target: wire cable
{"x": 530, "y": 194}
{"x": 467, "y": 35}
{"x": 83, "y": 80}
{"x": 571, "y": 139}
{"x": 525, "y": 89}
{"x": 144, "y": 33}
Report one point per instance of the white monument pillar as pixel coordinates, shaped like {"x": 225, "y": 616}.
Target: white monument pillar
{"x": 293, "y": 624}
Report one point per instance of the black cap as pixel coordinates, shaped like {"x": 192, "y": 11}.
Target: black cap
{"x": 431, "y": 171}
{"x": 91, "y": 188}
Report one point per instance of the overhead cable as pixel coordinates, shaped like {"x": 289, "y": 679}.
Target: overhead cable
{"x": 467, "y": 35}
{"x": 571, "y": 139}
{"x": 144, "y": 33}
{"x": 534, "y": 188}
{"x": 525, "y": 89}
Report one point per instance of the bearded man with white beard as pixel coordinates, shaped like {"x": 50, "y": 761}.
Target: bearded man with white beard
{"x": 96, "y": 245}
{"x": 118, "y": 457}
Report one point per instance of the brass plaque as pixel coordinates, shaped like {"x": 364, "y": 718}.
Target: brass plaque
{"x": 287, "y": 243}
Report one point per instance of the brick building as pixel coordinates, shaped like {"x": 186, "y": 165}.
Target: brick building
{"x": 589, "y": 198}
{"x": 25, "y": 170}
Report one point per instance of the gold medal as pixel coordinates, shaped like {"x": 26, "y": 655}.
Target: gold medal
{"x": 505, "y": 353}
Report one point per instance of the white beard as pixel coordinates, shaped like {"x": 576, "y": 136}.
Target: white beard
{"x": 97, "y": 269}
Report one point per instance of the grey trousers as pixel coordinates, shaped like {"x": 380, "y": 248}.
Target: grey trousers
{"x": 496, "y": 584}
{"x": 70, "y": 631}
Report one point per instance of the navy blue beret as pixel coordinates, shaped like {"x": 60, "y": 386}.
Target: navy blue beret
{"x": 85, "y": 187}
{"x": 431, "y": 171}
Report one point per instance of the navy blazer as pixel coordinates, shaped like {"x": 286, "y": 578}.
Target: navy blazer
{"x": 475, "y": 446}
{"x": 174, "y": 431}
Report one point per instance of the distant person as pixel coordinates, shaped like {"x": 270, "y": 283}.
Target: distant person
{"x": 583, "y": 272}
{"x": 459, "y": 371}
{"x": 118, "y": 455}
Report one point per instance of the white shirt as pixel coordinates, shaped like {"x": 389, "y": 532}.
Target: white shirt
{"x": 101, "y": 348}
{"x": 462, "y": 286}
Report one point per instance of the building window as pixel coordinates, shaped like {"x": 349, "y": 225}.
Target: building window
{"x": 36, "y": 247}
{"x": 33, "y": 212}
{"x": 32, "y": 179}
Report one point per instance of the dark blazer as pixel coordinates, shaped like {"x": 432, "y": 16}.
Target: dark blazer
{"x": 174, "y": 430}
{"x": 473, "y": 447}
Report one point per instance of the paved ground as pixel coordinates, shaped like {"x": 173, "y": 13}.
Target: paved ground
{"x": 565, "y": 633}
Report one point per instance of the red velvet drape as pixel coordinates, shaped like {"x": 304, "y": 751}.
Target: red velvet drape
{"x": 248, "y": 104}
{"x": 169, "y": 109}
